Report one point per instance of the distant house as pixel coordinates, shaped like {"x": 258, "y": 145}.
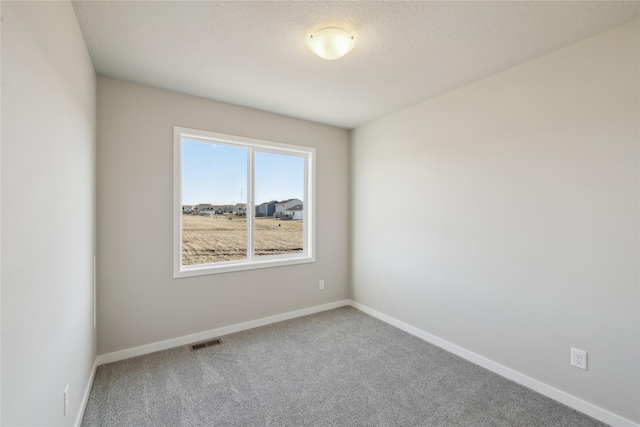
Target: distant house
{"x": 217, "y": 209}
{"x": 295, "y": 212}
{"x": 207, "y": 211}
{"x": 282, "y": 206}
{"x": 266, "y": 209}
{"x": 188, "y": 209}
{"x": 202, "y": 207}
{"x": 240, "y": 209}
{"x": 227, "y": 208}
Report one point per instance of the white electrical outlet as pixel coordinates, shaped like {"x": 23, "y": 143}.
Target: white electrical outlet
{"x": 321, "y": 285}
{"x": 579, "y": 358}
{"x": 66, "y": 400}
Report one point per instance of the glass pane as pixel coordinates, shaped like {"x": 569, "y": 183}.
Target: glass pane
{"x": 279, "y": 200}
{"x": 214, "y": 190}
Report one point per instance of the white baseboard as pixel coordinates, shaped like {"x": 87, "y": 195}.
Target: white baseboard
{"x": 214, "y": 333}
{"x": 542, "y": 388}
{"x": 85, "y": 397}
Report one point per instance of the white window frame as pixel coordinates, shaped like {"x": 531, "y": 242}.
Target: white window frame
{"x": 252, "y": 145}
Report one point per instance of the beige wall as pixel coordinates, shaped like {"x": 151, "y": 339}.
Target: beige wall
{"x": 48, "y": 211}
{"x": 138, "y": 300}
{"x": 525, "y": 186}
{"x": 522, "y": 239}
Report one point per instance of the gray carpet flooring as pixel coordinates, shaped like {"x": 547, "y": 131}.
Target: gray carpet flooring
{"x": 336, "y": 368}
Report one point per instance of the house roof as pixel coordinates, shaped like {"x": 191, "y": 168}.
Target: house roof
{"x": 296, "y": 208}
{"x": 286, "y": 201}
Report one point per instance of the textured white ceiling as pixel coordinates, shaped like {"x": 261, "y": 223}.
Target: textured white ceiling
{"x": 255, "y": 54}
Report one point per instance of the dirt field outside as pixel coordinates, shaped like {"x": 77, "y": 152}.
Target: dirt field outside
{"x": 207, "y": 239}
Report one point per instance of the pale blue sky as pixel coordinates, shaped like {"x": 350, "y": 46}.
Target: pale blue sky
{"x": 215, "y": 173}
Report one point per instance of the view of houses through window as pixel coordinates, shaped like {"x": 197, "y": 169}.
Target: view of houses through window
{"x": 279, "y": 189}
{"x": 225, "y": 217}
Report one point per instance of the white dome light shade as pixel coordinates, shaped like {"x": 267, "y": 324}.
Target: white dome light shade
{"x": 331, "y": 43}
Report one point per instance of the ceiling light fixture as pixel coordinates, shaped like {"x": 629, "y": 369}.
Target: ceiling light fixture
{"x": 331, "y": 43}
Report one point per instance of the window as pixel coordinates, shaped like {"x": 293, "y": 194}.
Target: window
{"x": 240, "y": 203}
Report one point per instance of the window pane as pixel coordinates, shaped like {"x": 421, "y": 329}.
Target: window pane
{"x": 214, "y": 187}
{"x": 279, "y": 199}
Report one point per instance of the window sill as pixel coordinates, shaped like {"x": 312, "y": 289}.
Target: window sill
{"x": 233, "y": 266}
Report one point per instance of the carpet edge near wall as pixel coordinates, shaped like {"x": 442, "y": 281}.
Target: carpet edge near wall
{"x": 524, "y": 380}
{"x": 513, "y": 375}
{"x": 215, "y": 333}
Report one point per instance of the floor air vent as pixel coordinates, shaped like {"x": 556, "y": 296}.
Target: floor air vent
{"x": 200, "y": 345}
